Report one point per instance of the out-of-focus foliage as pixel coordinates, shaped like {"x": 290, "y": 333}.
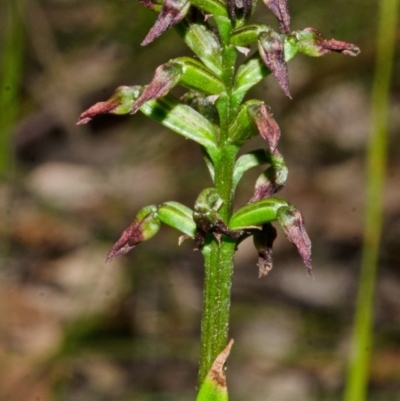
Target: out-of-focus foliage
{"x": 75, "y": 328}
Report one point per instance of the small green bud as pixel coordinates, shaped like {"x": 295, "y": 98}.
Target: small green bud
{"x": 204, "y": 43}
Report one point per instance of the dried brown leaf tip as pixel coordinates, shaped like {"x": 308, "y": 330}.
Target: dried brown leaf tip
{"x": 145, "y": 226}
{"x": 263, "y": 241}
{"x": 216, "y": 373}
{"x": 165, "y": 78}
{"x": 312, "y": 43}
{"x": 271, "y": 50}
{"x": 292, "y": 223}
{"x": 281, "y": 11}
{"x": 172, "y": 12}
{"x": 267, "y": 126}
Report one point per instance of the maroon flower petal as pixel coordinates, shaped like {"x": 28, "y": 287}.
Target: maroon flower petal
{"x": 271, "y": 50}
{"x": 312, "y": 43}
{"x": 165, "y": 78}
{"x": 172, "y": 12}
{"x": 263, "y": 241}
{"x": 145, "y": 226}
{"x": 121, "y": 102}
{"x": 292, "y": 223}
{"x": 266, "y": 124}
{"x": 281, "y": 11}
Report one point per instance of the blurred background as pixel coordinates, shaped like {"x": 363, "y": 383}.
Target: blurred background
{"x": 75, "y": 328}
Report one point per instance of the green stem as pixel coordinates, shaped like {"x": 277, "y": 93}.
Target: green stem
{"x": 12, "y": 62}
{"x": 357, "y": 380}
{"x": 218, "y": 255}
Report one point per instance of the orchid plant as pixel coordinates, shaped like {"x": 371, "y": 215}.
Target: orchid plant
{"x": 214, "y": 114}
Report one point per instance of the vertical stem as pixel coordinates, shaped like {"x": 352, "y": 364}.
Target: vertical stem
{"x": 357, "y": 380}
{"x": 219, "y": 255}
{"x": 10, "y": 77}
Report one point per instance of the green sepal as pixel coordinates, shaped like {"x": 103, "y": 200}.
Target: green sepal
{"x": 183, "y": 120}
{"x": 255, "y": 214}
{"x": 177, "y": 216}
{"x": 204, "y": 43}
{"x": 208, "y": 202}
{"x": 248, "y": 161}
{"x": 196, "y": 76}
{"x": 243, "y": 127}
{"x": 248, "y": 35}
{"x": 214, "y": 386}
{"x": 214, "y": 7}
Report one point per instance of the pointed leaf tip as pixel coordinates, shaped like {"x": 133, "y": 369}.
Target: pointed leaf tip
{"x": 266, "y": 124}
{"x": 292, "y": 223}
{"x": 145, "y": 226}
{"x": 119, "y": 103}
{"x": 214, "y": 387}
{"x": 313, "y": 44}
{"x": 271, "y": 49}
{"x": 165, "y": 78}
{"x": 281, "y": 11}
{"x": 172, "y": 12}
{"x": 97, "y": 109}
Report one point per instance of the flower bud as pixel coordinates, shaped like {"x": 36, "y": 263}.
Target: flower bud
{"x": 313, "y": 44}
{"x": 144, "y": 227}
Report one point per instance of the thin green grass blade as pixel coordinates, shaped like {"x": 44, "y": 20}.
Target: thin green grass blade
{"x": 358, "y": 372}
{"x": 10, "y": 79}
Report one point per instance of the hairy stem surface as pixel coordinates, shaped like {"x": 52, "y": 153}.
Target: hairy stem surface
{"x": 219, "y": 254}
